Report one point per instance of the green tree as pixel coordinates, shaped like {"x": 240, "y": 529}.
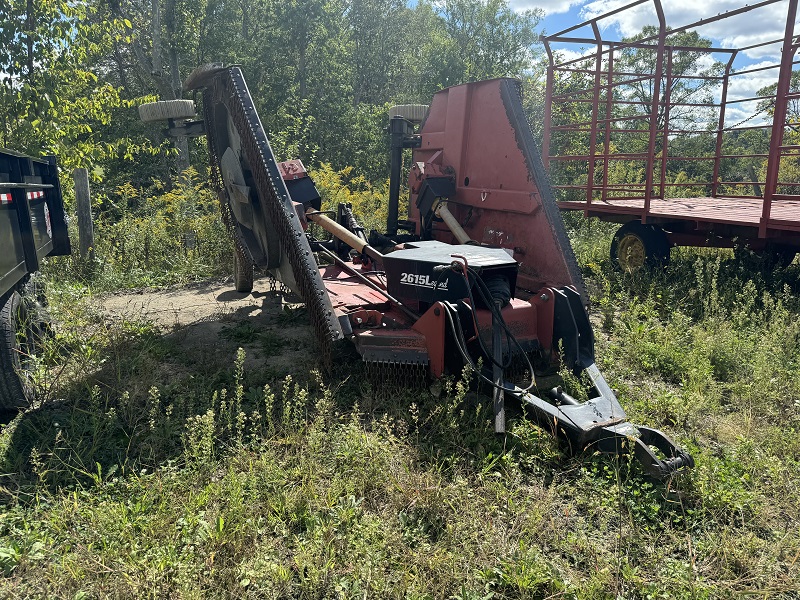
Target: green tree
{"x": 51, "y": 97}
{"x": 380, "y": 48}
{"x": 162, "y": 47}
{"x": 489, "y": 38}
{"x": 767, "y": 106}
{"x": 684, "y": 87}
{"x": 458, "y": 41}
{"x": 789, "y": 168}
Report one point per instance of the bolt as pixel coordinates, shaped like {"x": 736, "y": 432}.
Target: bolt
{"x": 436, "y": 311}
{"x": 544, "y": 297}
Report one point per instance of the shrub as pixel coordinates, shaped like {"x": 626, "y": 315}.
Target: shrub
{"x": 370, "y": 203}
{"x": 152, "y": 237}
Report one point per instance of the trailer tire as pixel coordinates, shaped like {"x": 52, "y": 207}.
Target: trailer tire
{"x": 242, "y": 271}
{"x": 21, "y": 330}
{"x": 636, "y": 246}
{"x": 167, "y": 109}
{"x": 765, "y": 259}
{"x": 784, "y": 256}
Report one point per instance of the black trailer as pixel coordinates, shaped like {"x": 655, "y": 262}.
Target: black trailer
{"x": 32, "y": 226}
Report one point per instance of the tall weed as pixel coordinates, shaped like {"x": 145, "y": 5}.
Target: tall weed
{"x": 151, "y": 237}
{"x": 369, "y": 201}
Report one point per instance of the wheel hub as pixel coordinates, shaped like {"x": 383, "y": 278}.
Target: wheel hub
{"x": 632, "y": 253}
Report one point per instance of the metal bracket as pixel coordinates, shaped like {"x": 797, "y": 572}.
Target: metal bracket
{"x": 602, "y": 423}
{"x": 187, "y": 129}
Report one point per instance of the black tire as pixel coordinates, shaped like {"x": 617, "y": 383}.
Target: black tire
{"x": 784, "y": 256}
{"x": 242, "y": 271}
{"x": 636, "y": 246}
{"x": 21, "y": 331}
{"x": 766, "y": 259}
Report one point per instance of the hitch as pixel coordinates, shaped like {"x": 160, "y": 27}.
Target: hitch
{"x": 601, "y": 422}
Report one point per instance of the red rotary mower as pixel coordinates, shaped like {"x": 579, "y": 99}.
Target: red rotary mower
{"x": 480, "y": 273}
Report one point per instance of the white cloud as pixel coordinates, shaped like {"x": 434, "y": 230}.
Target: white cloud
{"x": 550, "y": 7}
{"x": 747, "y": 86}
{"x": 565, "y": 55}
{"x": 758, "y": 25}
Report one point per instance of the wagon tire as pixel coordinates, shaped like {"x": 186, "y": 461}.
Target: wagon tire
{"x": 21, "y": 333}
{"x": 784, "y": 256}
{"x": 167, "y": 109}
{"x": 636, "y": 246}
{"x": 765, "y": 259}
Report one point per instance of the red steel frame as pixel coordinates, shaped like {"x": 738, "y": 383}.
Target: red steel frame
{"x": 769, "y": 215}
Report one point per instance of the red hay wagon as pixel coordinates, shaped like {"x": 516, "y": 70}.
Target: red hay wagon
{"x": 625, "y": 116}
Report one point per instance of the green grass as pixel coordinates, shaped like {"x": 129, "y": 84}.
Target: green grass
{"x": 151, "y": 471}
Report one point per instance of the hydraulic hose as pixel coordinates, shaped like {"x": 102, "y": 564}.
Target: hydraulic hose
{"x": 461, "y": 344}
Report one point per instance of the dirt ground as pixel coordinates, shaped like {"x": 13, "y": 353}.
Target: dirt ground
{"x": 178, "y": 306}
{"x": 211, "y": 317}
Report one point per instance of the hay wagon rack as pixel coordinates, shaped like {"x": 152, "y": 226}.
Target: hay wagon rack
{"x": 597, "y": 119}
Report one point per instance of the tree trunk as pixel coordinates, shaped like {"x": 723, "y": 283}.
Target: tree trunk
{"x": 121, "y": 71}
{"x": 181, "y": 143}
{"x": 157, "y": 38}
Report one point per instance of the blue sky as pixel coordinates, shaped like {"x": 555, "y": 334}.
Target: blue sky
{"x": 758, "y": 25}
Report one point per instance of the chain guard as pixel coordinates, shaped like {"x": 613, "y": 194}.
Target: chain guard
{"x": 273, "y": 212}
{"x": 388, "y": 379}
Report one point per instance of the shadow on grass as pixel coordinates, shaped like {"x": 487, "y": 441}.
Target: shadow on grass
{"x": 128, "y": 406}
{"x": 132, "y": 410}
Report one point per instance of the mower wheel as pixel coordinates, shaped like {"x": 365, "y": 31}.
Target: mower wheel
{"x": 636, "y": 246}
{"x": 167, "y": 109}
{"x": 22, "y": 329}
{"x": 242, "y": 271}
{"x": 415, "y": 113}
